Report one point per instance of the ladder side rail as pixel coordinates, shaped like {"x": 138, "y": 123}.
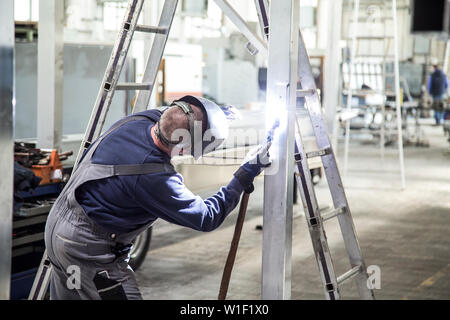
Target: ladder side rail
{"x": 314, "y": 221}
{"x": 112, "y": 73}
{"x": 155, "y": 55}
{"x": 261, "y": 6}
{"x": 332, "y": 173}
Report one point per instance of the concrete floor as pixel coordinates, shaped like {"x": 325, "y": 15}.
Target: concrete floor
{"x": 405, "y": 233}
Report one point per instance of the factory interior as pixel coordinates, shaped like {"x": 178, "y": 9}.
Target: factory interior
{"x": 348, "y": 98}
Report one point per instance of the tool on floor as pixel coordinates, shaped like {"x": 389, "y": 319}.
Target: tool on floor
{"x": 341, "y": 210}
{"x": 234, "y": 246}
{"x": 259, "y": 153}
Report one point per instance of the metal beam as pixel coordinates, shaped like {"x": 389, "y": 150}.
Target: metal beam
{"x": 331, "y": 35}
{"x": 278, "y": 179}
{"x": 50, "y": 74}
{"x": 397, "y": 96}
{"x": 6, "y": 142}
{"x": 350, "y": 78}
{"x": 237, "y": 20}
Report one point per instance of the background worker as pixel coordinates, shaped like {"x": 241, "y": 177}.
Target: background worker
{"x": 437, "y": 87}
{"x": 123, "y": 184}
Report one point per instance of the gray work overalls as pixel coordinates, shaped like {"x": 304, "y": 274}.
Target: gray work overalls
{"x": 88, "y": 261}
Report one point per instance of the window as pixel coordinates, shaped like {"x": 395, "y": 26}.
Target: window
{"x": 113, "y": 13}
{"x": 26, "y": 10}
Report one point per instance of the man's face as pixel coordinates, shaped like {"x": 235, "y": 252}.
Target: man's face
{"x": 183, "y": 134}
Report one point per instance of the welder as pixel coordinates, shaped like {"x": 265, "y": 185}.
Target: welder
{"x": 124, "y": 183}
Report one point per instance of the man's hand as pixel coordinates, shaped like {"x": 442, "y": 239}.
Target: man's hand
{"x": 256, "y": 160}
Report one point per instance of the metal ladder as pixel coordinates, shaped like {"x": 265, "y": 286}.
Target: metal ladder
{"x": 315, "y": 219}
{"x": 107, "y": 89}
{"x": 383, "y": 41}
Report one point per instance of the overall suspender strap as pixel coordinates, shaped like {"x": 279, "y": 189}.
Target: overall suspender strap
{"x": 127, "y": 169}
{"x": 145, "y": 168}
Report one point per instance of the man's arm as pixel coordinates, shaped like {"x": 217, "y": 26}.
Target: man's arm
{"x": 429, "y": 84}
{"x": 175, "y": 203}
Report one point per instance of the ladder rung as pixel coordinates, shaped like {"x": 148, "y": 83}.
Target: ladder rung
{"x": 368, "y": 38}
{"x": 349, "y": 274}
{"x": 331, "y": 214}
{"x": 305, "y": 93}
{"x": 374, "y": 56}
{"x": 151, "y": 29}
{"x": 313, "y": 154}
{"x": 318, "y": 153}
{"x": 133, "y": 86}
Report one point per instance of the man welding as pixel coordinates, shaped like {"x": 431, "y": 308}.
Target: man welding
{"x": 124, "y": 183}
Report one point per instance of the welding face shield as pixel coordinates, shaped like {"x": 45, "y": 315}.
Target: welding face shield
{"x": 202, "y": 139}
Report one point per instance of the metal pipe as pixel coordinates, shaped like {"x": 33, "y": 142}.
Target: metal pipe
{"x": 278, "y": 183}
{"x": 233, "y": 247}
{"x": 349, "y": 91}
{"x": 50, "y": 74}
{"x": 397, "y": 96}
{"x": 6, "y": 142}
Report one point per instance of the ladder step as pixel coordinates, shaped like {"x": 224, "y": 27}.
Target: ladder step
{"x": 133, "y": 86}
{"x": 371, "y": 38}
{"x": 349, "y": 274}
{"x": 374, "y": 56}
{"x": 313, "y": 154}
{"x": 331, "y": 214}
{"x": 151, "y": 29}
{"x": 305, "y": 93}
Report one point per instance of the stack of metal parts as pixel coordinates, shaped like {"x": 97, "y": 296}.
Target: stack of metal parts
{"x": 28, "y": 155}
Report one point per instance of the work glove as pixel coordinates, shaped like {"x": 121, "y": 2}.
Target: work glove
{"x": 231, "y": 113}
{"x": 255, "y": 162}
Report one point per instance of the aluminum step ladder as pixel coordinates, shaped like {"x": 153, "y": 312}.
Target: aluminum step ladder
{"x": 106, "y": 93}
{"x": 341, "y": 211}
{"x": 381, "y": 11}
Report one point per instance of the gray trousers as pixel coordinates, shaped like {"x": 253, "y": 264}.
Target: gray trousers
{"x": 84, "y": 267}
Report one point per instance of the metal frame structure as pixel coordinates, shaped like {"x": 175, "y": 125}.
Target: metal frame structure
{"x": 278, "y": 182}
{"x": 110, "y": 84}
{"x": 289, "y": 61}
{"x": 288, "y": 67}
{"x": 50, "y": 74}
{"x": 355, "y": 39}
{"x": 6, "y": 142}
